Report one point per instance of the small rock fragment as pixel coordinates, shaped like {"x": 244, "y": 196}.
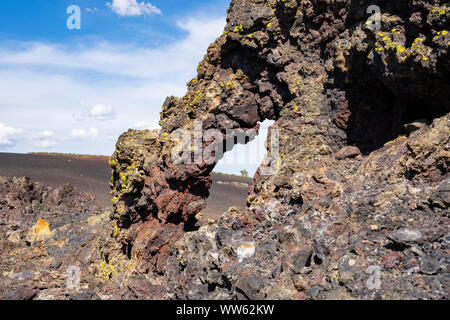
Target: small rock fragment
{"x": 23, "y": 294}
{"x": 416, "y": 250}
{"x": 348, "y": 152}
{"x": 246, "y": 250}
{"x": 392, "y": 260}
{"x": 406, "y": 235}
{"x": 14, "y": 236}
{"x": 300, "y": 283}
{"x": 429, "y": 265}
{"x": 447, "y": 239}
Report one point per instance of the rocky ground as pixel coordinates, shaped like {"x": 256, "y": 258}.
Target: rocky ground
{"x": 92, "y": 174}
{"x": 49, "y": 226}
{"x": 357, "y": 205}
{"x": 44, "y": 231}
{"x": 88, "y": 173}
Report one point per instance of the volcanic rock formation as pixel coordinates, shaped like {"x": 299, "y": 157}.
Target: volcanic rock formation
{"x": 358, "y": 206}
{"x": 357, "y": 203}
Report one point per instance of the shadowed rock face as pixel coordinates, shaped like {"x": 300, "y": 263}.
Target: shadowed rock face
{"x": 363, "y": 123}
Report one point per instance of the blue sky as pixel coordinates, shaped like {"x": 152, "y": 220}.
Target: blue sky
{"x": 45, "y": 20}
{"x": 76, "y": 91}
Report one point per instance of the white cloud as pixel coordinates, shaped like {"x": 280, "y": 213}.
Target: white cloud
{"x": 44, "y": 139}
{"x": 133, "y": 8}
{"x": 59, "y": 86}
{"x": 46, "y": 144}
{"x": 142, "y": 125}
{"x": 161, "y": 64}
{"x": 46, "y": 134}
{"x": 102, "y": 112}
{"x": 82, "y": 134}
{"x": 9, "y": 135}
{"x": 93, "y": 10}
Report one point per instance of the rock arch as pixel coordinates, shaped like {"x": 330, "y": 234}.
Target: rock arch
{"x": 328, "y": 80}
